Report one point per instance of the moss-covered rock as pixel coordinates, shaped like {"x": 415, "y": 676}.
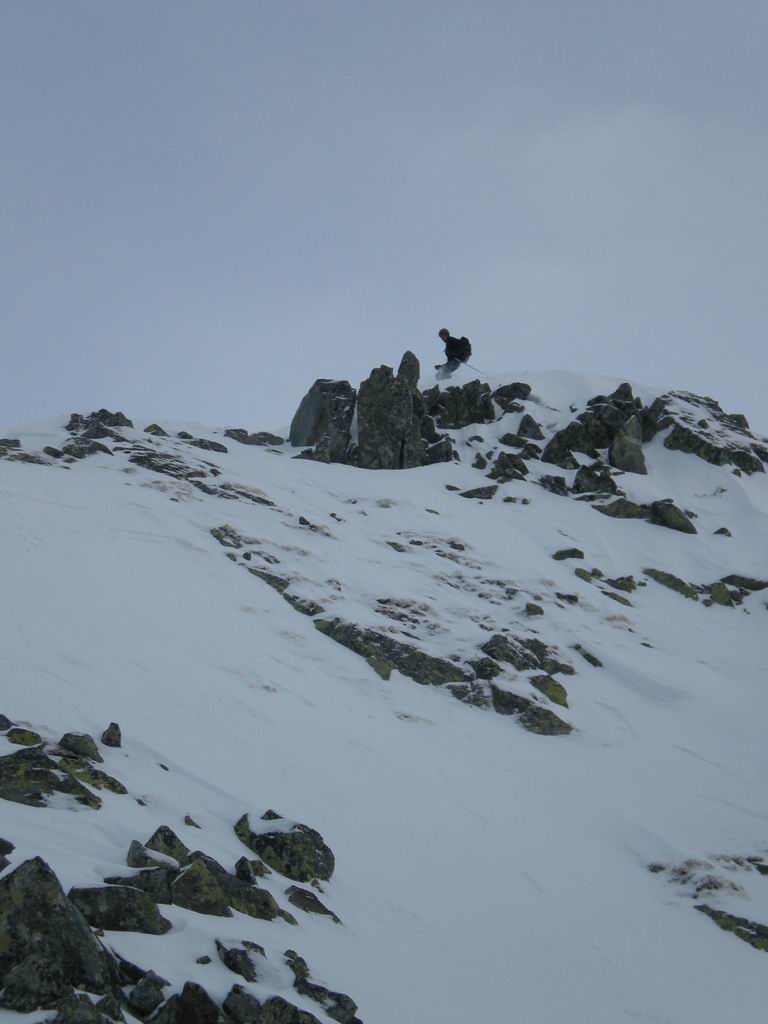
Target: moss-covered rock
{"x": 23, "y": 737}
{"x": 294, "y": 850}
{"x": 82, "y": 744}
{"x": 277, "y": 583}
{"x": 474, "y": 694}
{"x": 29, "y": 775}
{"x": 164, "y": 840}
{"x": 531, "y": 609}
{"x": 227, "y": 536}
{"x": 239, "y": 961}
{"x": 244, "y": 896}
{"x": 756, "y": 935}
{"x": 625, "y": 583}
{"x": 664, "y": 513}
{"x": 46, "y": 948}
{"x": 156, "y": 430}
{"x": 564, "y": 553}
{"x": 422, "y": 668}
{"x": 550, "y": 687}
{"x": 119, "y": 908}
{"x": 618, "y": 598}
{"x": 196, "y": 889}
{"x": 84, "y": 771}
{"x": 668, "y": 579}
{"x": 139, "y": 857}
{"x": 720, "y": 594}
{"x": 530, "y": 715}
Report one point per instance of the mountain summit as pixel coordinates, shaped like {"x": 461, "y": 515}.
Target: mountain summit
{"x": 448, "y": 707}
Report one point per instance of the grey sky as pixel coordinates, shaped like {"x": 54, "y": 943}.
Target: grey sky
{"x": 206, "y": 205}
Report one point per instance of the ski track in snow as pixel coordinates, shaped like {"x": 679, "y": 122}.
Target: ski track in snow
{"x": 483, "y": 873}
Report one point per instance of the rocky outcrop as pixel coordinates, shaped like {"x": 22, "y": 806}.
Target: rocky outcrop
{"x": 46, "y": 947}
{"x": 324, "y": 419}
{"x": 597, "y": 428}
{"x": 30, "y": 776}
{"x": 659, "y": 513}
{"x": 531, "y": 716}
{"x": 457, "y": 407}
{"x": 508, "y": 396}
{"x": 392, "y": 420}
{"x": 625, "y": 451}
{"x": 384, "y": 654}
{"x": 700, "y": 427}
{"x": 337, "y": 1005}
{"x": 292, "y": 849}
{"x": 119, "y": 908}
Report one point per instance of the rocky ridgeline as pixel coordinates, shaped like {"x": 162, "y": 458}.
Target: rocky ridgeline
{"x": 53, "y": 948}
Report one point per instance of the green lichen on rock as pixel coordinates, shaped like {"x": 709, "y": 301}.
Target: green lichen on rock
{"x": 83, "y": 771}
{"x": 550, "y": 687}
{"x": 625, "y": 583}
{"x": 532, "y": 609}
{"x": 243, "y": 896}
{"x": 196, "y": 889}
{"x": 618, "y": 598}
{"x": 298, "y": 852}
{"x": 227, "y": 536}
{"x": 474, "y": 694}
{"x": 530, "y": 715}
{"x": 23, "y": 737}
{"x": 139, "y": 857}
{"x": 29, "y": 775}
{"x": 276, "y": 582}
{"x": 304, "y": 605}
{"x": 589, "y": 576}
{"x": 82, "y": 744}
{"x": 155, "y": 881}
{"x": 664, "y": 513}
{"x": 422, "y": 668}
{"x": 164, "y": 840}
{"x": 720, "y": 594}
{"x": 119, "y": 908}
{"x": 748, "y": 931}
{"x": 587, "y": 656}
{"x": 339, "y": 1007}
{"x": 46, "y": 948}
{"x": 668, "y": 579}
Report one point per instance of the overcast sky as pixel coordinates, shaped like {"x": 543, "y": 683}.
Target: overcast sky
{"x": 206, "y": 204}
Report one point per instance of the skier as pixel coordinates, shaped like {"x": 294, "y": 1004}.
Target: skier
{"x": 457, "y": 351}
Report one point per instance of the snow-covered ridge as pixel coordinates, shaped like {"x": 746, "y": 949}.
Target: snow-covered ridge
{"x": 482, "y": 871}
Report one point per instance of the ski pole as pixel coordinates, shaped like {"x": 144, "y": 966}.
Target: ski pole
{"x": 476, "y": 369}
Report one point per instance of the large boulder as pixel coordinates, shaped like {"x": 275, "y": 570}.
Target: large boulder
{"x": 119, "y": 908}
{"x": 29, "y": 776}
{"x": 625, "y": 451}
{"x": 389, "y": 414}
{"x": 294, "y": 850}
{"x": 46, "y": 947}
{"x": 324, "y": 418}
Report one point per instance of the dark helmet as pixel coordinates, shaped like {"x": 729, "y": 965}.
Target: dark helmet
{"x": 443, "y": 332}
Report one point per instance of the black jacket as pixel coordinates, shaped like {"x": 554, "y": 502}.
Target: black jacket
{"x": 457, "y": 348}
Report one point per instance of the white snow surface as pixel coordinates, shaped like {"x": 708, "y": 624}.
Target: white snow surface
{"x": 483, "y": 873}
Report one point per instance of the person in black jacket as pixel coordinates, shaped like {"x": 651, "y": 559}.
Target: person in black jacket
{"x": 457, "y": 351}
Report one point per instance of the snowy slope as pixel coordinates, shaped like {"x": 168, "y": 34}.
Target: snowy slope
{"x": 483, "y": 873}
